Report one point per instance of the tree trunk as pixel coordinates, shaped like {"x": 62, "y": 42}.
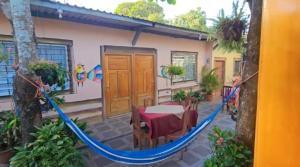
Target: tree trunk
{"x": 19, "y": 14}
{"x": 245, "y": 126}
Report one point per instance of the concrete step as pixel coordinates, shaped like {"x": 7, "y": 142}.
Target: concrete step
{"x": 90, "y": 112}
{"x": 75, "y": 110}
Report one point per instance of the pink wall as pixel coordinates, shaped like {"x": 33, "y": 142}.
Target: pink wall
{"x": 87, "y": 40}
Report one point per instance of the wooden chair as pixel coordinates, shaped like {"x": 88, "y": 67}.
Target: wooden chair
{"x": 226, "y": 91}
{"x": 140, "y": 133}
{"x": 194, "y": 103}
{"x": 148, "y": 101}
{"x": 185, "y": 124}
{"x": 194, "y": 107}
{"x": 184, "y": 129}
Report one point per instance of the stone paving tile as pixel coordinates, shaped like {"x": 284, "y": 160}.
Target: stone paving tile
{"x": 101, "y": 161}
{"x": 202, "y": 150}
{"x": 103, "y": 128}
{"x": 117, "y": 133}
{"x": 171, "y": 163}
{"x": 189, "y": 158}
{"x": 109, "y": 134}
{"x": 118, "y": 143}
{"x": 125, "y": 129}
{"x": 118, "y": 125}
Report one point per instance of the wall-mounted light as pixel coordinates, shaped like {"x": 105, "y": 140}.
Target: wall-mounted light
{"x": 207, "y": 60}
{"x": 60, "y": 13}
{"x": 200, "y": 37}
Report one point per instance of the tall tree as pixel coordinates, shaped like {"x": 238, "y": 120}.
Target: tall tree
{"x": 248, "y": 99}
{"x": 142, "y": 9}
{"x": 194, "y": 19}
{"x": 229, "y": 34}
{"x": 19, "y": 15}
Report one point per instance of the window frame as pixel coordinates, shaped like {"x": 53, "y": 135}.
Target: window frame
{"x": 196, "y": 70}
{"x": 240, "y": 66}
{"x": 68, "y": 44}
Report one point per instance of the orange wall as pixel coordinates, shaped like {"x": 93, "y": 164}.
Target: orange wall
{"x": 278, "y": 116}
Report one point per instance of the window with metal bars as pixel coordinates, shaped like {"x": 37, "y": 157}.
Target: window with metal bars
{"x": 237, "y": 67}
{"x": 57, "y": 53}
{"x": 187, "y": 60}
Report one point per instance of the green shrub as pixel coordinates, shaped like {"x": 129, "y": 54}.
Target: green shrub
{"x": 228, "y": 150}
{"x": 179, "y": 96}
{"x": 197, "y": 95}
{"x": 54, "y": 145}
{"x": 209, "y": 81}
{"x": 10, "y": 131}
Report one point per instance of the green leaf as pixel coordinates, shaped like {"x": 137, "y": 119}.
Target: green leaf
{"x": 240, "y": 156}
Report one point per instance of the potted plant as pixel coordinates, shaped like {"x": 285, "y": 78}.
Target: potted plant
{"x": 209, "y": 82}
{"x": 10, "y": 135}
{"x": 197, "y": 95}
{"x": 179, "y": 97}
{"x": 174, "y": 70}
{"x": 228, "y": 30}
{"x": 50, "y": 72}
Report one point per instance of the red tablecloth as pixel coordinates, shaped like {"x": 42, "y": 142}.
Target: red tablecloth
{"x": 164, "y": 124}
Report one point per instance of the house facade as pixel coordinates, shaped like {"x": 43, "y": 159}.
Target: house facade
{"x": 131, "y": 53}
{"x": 227, "y": 64}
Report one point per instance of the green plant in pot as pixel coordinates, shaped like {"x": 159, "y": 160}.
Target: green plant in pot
{"x": 50, "y": 72}
{"x": 197, "y": 94}
{"x": 10, "y": 135}
{"x": 180, "y": 96}
{"x": 228, "y": 30}
{"x": 174, "y": 70}
{"x": 209, "y": 82}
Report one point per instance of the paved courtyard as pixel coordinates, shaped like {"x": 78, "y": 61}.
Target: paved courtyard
{"x": 117, "y": 133}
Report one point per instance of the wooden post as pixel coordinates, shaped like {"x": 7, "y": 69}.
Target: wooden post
{"x": 277, "y": 141}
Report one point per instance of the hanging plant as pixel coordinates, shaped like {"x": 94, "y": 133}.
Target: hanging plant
{"x": 174, "y": 70}
{"x": 229, "y": 30}
{"x": 50, "y": 73}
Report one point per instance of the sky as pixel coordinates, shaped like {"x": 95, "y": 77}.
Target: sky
{"x": 211, "y": 7}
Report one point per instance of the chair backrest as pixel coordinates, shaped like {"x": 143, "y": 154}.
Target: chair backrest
{"x": 186, "y": 118}
{"x": 226, "y": 91}
{"x": 136, "y": 120}
{"x": 194, "y": 103}
{"x": 187, "y": 101}
{"x": 148, "y": 101}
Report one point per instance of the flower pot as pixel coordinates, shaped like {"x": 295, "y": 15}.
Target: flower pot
{"x": 209, "y": 97}
{"x": 6, "y": 155}
{"x": 233, "y": 30}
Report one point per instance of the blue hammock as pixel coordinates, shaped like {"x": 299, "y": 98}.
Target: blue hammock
{"x": 142, "y": 157}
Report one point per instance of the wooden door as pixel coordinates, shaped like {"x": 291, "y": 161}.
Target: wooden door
{"x": 220, "y": 65}
{"x": 143, "y": 80}
{"x": 117, "y": 78}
